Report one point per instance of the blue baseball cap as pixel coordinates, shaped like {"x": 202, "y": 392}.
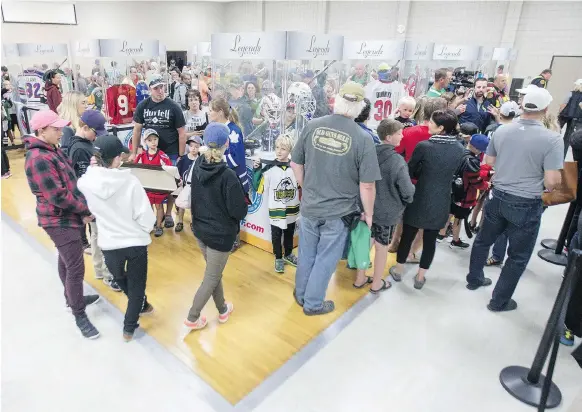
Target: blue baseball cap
{"x": 216, "y": 135}
{"x": 479, "y": 142}
{"x": 95, "y": 120}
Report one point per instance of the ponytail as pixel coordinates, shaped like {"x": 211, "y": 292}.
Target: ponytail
{"x": 233, "y": 117}
{"x": 221, "y": 105}
{"x": 102, "y": 162}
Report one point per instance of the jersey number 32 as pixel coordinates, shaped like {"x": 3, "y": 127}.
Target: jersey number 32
{"x": 383, "y": 109}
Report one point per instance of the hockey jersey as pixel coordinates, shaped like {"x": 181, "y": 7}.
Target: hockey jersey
{"x": 121, "y": 103}
{"x": 95, "y": 98}
{"x": 235, "y": 155}
{"x": 384, "y": 99}
{"x": 142, "y": 91}
{"x": 277, "y": 183}
{"x": 31, "y": 87}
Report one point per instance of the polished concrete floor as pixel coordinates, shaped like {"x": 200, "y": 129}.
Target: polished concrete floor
{"x": 433, "y": 350}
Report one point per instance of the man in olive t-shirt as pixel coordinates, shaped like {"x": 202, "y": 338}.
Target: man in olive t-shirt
{"x": 335, "y": 162}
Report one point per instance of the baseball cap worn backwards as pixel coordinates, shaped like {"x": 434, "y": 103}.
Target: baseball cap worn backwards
{"x": 216, "y": 135}
{"x": 352, "y": 91}
{"x": 510, "y": 108}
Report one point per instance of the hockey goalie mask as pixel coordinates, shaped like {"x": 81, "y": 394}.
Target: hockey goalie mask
{"x": 300, "y": 97}
{"x": 271, "y": 108}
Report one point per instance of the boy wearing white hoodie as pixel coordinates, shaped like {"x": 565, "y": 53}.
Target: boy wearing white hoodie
{"x": 124, "y": 220}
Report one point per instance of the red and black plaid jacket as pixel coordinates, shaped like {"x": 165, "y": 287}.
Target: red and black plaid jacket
{"x": 475, "y": 178}
{"x": 52, "y": 180}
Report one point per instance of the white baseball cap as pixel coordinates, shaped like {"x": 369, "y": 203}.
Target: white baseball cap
{"x": 510, "y": 108}
{"x": 578, "y": 82}
{"x": 536, "y": 100}
{"x": 527, "y": 89}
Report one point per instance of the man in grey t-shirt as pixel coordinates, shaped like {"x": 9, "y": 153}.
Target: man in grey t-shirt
{"x": 335, "y": 163}
{"x": 527, "y": 157}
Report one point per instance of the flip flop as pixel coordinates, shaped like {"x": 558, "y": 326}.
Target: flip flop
{"x": 385, "y": 286}
{"x": 368, "y": 281}
{"x": 415, "y": 259}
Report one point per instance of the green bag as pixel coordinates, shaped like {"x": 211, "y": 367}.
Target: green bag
{"x": 359, "y": 253}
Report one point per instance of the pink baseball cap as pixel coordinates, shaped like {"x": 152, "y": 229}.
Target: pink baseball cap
{"x": 45, "y": 118}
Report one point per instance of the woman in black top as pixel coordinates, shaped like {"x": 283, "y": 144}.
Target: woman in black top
{"x": 433, "y": 163}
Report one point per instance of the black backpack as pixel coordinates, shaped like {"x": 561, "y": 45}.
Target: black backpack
{"x": 458, "y": 189}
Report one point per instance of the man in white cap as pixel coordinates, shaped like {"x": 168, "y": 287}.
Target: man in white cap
{"x": 527, "y": 157}
{"x": 335, "y": 162}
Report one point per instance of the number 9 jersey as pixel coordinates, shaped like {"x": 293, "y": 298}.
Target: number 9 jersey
{"x": 121, "y": 103}
{"x": 384, "y": 97}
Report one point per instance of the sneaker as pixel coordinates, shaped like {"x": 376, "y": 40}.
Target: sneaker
{"x": 89, "y": 300}
{"x": 179, "y": 227}
{"x": 291, "y": 260}
{"x": 567, "y": 337}
{"x": 158, "y": 231}
{"x": 223, "y": 318}
{"x": 440, "y": 238}
{"x": 511, "y": 305}
{"x": 147, "y": 309}
{"x": 112, "y": 284}
{"x": 484, "y": 282}
{"x": 459, "y": 245}
{"x": 168, "y": 221}
{"x": 6, "y": 175}
{"x": 449, "y": 231}
{"x": 86, "y": 327}
{"x": 199, "y": 324}
{"x": 327, "y": 307}
{"x": 99, "y": 276}
{"x": 279, "y": 265}
{"x": 127, "y": 336}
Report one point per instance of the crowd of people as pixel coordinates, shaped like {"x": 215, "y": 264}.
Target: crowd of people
{"x": 438, "y": 163}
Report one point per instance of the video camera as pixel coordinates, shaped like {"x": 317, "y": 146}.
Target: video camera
{"x": 462, "y": 80}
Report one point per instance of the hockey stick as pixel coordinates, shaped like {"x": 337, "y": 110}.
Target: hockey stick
{"x": 324, "y": 69}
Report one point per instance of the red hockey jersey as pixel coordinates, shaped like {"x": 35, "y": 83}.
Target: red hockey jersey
{"x": 121, "y": 103}
{"x": 157, "y": 159}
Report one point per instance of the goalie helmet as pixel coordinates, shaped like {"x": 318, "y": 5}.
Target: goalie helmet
{"x": 300, "y": 97}
{"x": 271, "y": 108}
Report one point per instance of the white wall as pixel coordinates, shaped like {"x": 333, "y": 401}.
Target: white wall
{"x": 540, "y": 29}
{"x": 178, "y": 25}
{"x": 546, "y": 29}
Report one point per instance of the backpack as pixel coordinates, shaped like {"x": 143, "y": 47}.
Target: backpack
{"x": 458, "y": 189}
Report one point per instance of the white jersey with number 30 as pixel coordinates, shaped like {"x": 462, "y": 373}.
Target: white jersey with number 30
{"x": 384, "y": 99}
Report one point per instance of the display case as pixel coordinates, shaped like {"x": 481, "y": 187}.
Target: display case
{"x": 376, "y": 65}
{"x": 248, "y": 71}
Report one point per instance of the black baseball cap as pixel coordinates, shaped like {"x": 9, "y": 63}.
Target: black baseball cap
{"x": 109, "y": 146}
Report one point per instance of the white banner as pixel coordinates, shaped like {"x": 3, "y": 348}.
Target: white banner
{"x": 43, "y": 50}
{"x": 374, "y": 50}
{"x": 255, "y": 45}
{"x": 501, "y": 53}
{"x": 455, "y": 52}
{"x": 415, "y": 50}
{"x": 9, "y": 50}
{"x": 486, "y": 54}
{"x": 86, "y": 48}
{"x": 309, "y": 46}
{"x": 129, "y": 48}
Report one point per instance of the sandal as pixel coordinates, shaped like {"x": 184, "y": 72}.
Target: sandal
{"x": 396, "y": 276}
{"x": 368, "y": 281}
{"x": 179, "y": 227}
{"x": 414, "y": 259}
{"x": 493, "y": 262}
{"x": 385, "y": 286}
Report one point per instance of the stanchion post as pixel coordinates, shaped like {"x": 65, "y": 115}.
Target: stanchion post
{"x": 556, "y": 256}
{"x": 526, "y": 384}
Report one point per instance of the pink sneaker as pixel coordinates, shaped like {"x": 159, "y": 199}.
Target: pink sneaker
{"x": 224, "y": 318}
{"x": 199, "y": 324}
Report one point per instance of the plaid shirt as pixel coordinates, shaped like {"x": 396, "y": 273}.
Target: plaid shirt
{"x": 52, "y": 180}
{"x": 475, "y": 178}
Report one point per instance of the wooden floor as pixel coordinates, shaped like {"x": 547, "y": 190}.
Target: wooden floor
{"x": 265, "y": 330}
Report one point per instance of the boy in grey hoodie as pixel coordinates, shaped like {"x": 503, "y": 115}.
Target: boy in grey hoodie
{"x": 393, "y": 193}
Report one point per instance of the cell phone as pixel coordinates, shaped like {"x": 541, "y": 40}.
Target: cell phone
{"x": 471, "y": 91}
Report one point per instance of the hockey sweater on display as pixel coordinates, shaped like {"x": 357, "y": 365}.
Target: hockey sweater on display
{"x": 277, "y": 182}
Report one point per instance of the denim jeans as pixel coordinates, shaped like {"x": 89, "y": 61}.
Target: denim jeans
{"x": 499, "y": 248}
{"x": 321, "y": 243}
{"x": 520, "y": 219}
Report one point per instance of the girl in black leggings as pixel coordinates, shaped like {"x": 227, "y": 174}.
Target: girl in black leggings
{"x": 433, "y": 163}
